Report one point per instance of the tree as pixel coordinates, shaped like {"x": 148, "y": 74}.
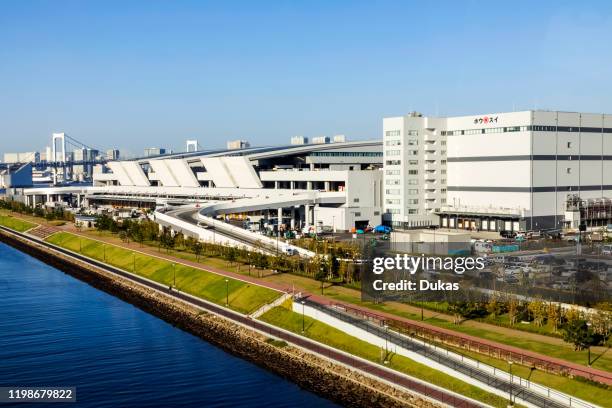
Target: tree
{"x": 579, "y": 333}
{"x": 513, "y": 310}
{"x": 197, "y": 250}
{"x": 537, "y": 308}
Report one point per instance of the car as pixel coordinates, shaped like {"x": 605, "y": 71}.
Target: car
{"x": 507, "y": 234}
{"x": 606, "y": 250}
{"x": 382, "y": 229}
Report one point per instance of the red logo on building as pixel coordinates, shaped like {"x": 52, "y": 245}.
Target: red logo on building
{"x": 485, "y": 120}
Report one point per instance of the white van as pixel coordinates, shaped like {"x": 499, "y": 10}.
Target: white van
{"x": 606, "y": 250}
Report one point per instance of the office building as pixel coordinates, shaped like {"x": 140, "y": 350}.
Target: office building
{"x": 237, "y": 144}
{"x": 25, "y": 157}
{"x": 299, "y": 140}
{"x": 154, "y": 151}
{"x": 112, "y": 154}
{"x": 320, "y": 139}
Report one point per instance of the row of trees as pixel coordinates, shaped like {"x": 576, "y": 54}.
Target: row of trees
{"x": 583, "y": 329}
{"x": 332, "y": 264}
{"x": 57, "y": 213}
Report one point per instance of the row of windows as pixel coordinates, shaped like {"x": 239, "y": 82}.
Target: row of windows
{"x": 393, "y": 152}
{"x": 392, "y": 133}
{"x": 392, "y": 172}
{"x": 393, "y": 182}
{"x": 392, "y": 200}
{"x": 393, "y": 162}
{"x": 392, "y": 191}
{"x": 347, "y": 154}
{"x": 534, "y": 128}
{"x": 394, "y": 142}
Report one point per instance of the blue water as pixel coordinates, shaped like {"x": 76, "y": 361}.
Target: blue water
{"x": 58, "y": 331}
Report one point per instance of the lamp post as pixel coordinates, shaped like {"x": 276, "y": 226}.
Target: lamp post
{"x": 303, "y": 316}
{"x": 386, "y": 343}
{"x": 174, "y": 274}
{"x": 226, "y": 292}
{"x": 511, "y": 382}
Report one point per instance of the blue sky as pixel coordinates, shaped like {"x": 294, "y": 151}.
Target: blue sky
{"x": 150, "y": 73}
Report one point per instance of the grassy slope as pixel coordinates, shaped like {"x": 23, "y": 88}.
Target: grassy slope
{"x": 15, "y": 223}
{"x": 333, "y": 337}
{"x": 243, "y": 297}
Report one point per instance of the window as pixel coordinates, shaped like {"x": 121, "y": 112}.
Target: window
{"x": 413, "y": 152}
{"x": 392, "y": 191}
{"x": 357, "y": 214}
{"x": 393, "y": 182}
{"x": 413, "y": 133}
{"x": 393, "y": 152}
{"x": 442, "y": 161}
{"x": 413, "y": 172}
{"x": 569, "y": 145}
{"x": 443, "y": 142}
{"x": 412, "y": 201}
{"x": 413, "y": 182}
{"x": 393, "y": 162}
{"x": 413, "y": 211}
{"x": 413, "y": 191}
{"x": 393, "y": 211}
{"x": 443, "y": 201}
{"x": 355, "y": 200}
{"x": 443, "y": 171}
{"x": 413, "y": 162}
{"x": 392, "y": 133}
{"x": 443, "y": 181}
{"x": 413, "y": 142}
{"x": 392, "y": 201}
{"x": 568, "y": 170}
{"x": 392, "y": 172}
{"x": 393, "y": 142}
{"x": 443, "y": 190}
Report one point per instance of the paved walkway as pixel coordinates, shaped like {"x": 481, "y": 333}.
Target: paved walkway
{"x": 569, "y": 367}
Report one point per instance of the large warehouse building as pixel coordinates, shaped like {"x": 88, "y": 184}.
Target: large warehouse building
{"x": 502, "y": 171}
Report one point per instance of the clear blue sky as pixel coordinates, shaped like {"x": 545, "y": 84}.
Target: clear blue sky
{"x": 145, "y": 73}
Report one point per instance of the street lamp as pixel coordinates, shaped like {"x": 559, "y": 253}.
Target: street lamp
{"x": 511, "y": 382}
{"x": 386, "y": 342}
{"x": 303, "y": 316}
{"x": 174, "y": 274}
{"x": 226, "y": 292}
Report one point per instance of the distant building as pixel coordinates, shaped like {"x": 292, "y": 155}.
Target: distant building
{"x": 339, "y": 139}
{"x": 16, "y": 176}
{"x": 25, "y": 157}
{"x": 299, "y": 140}
{"x": 320, "y": 140}
{"x": 154, "y": 151}
{"x": 237, "y": 144}
{"x": 112, "y": 154}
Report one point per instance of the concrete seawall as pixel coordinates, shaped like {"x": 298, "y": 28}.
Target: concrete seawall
{"x": 308, "y": 370}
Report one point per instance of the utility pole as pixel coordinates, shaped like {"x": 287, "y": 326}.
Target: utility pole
{"x": 511, "y": 382}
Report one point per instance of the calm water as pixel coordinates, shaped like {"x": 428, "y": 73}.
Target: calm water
{"x": 58, "y": 331}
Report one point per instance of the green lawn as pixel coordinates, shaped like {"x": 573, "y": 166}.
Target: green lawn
{"x": 15, "y": 223}
{"x": 333, "y": 337}
{"x": 243, "y": 297}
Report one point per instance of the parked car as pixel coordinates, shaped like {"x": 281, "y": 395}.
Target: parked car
{"x": 507, "y": 234}
{"x": 606, "y": 250}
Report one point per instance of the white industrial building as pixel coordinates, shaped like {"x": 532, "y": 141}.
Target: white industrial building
{"x": 502, "y": 171}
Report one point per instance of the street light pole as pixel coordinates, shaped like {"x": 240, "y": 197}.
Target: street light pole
{"x": 386, "y": 343}
{"x": 511, "y": 382}
{"x": 226, "y": 292}
{"x": 303, "y": 316}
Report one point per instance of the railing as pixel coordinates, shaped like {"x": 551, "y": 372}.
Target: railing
{"x": 414, "y": 329}
{"x": 513, "y": 385}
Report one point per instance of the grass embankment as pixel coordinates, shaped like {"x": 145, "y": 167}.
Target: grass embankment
{"x": 333, "y": 337}
{"x": 597, "y": 394}
{"x": 15, "y": 223}
{"x": 243, "y": 297}
{"x": 545, "y": 345}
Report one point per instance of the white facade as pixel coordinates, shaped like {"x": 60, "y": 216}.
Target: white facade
{"x": 25, "y": 157}
{"x": 515, "y": 170}
{"x": 414, "y": 170}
